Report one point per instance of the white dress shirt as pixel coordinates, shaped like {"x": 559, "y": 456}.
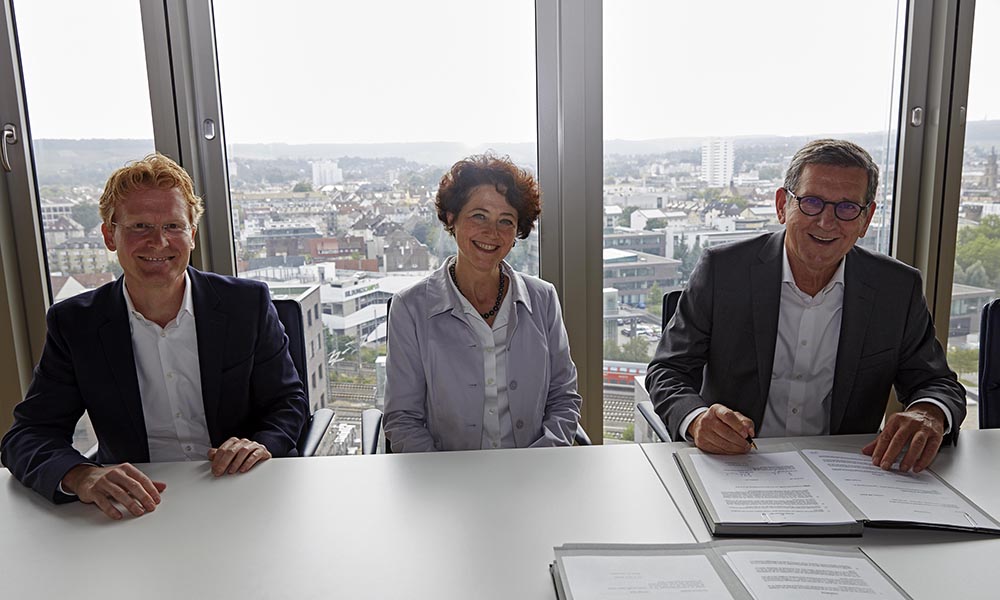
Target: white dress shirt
{"x": 168, "y": 369}
{"x": 498, "y": 429}
{"x": 805, "y": 357}
{"x": 805, "y": 360}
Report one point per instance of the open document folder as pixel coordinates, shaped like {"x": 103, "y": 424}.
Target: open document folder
{"x": 718, "y": 570}
{"x": 784, "y": 491}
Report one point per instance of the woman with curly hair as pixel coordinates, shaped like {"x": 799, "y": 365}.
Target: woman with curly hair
{"x": 477, "y": 353}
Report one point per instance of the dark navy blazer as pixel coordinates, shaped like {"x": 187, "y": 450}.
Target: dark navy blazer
{"x": 249, "y": 385}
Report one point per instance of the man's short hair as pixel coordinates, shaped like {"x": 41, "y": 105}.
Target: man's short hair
{"x": 153, "y": 171}
{"x": 838, "y": 153}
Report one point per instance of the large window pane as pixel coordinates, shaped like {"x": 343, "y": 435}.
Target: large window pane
{"x": 88, "y": 107}
{"x": 704, "y": 105}
{"x": 340, "y": 120}
{"x": 977, "y": 255}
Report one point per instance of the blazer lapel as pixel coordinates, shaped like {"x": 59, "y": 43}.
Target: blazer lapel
{"x": 210, "y": 325}
{"x": 765, "y": 296}
{"x": 859, "y": 300}
{"x": 116, "y": 342}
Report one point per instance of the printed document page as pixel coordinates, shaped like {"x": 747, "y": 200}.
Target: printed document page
{"x": 642, "y": 577}
{"x": 795, "y": 576}
{"x": 767, "y": 487}
{"x": 895, "y": 496}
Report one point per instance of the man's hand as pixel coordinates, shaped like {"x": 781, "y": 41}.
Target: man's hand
{"x": 720, "y": 430}
{"x": 922, "y": 427}
{"x": 236, "y": 455}
{"x": 122, "y": 483}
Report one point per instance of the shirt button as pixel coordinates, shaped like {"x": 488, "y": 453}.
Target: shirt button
{"x": 513, "y": 385}
{"x": 804, "y": 342}
{"x": 489, "y": 381}
{"x": 493, "y": 411}
{"x": 795, "y": 411}
{"x": 170, "y": 375}
{"x": 163, "y": 334}
{"x": 520, "y": 424}
{"x": 188, "y": 448}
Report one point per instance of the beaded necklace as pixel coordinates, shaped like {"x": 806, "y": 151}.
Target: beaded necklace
{"x": 496, "y": 306}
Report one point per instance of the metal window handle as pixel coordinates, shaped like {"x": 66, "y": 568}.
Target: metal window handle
{"x": 9, "y": 137}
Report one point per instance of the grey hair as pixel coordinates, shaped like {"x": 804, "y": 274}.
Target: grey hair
{"x": 838, "y": 153}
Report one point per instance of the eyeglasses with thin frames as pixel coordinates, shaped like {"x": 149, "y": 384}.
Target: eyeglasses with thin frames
{"x": 811, "y": 206}
{"x": 170, "y": 230}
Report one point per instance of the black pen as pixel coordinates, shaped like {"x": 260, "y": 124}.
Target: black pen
{"x": 750, "y": 441}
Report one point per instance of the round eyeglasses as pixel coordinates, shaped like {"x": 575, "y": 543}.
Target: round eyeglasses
{"x": 845, "y": 210}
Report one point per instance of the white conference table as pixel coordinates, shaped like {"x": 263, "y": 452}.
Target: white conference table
{"x": 454, "y": 525}
{"x": 926, "y": 563}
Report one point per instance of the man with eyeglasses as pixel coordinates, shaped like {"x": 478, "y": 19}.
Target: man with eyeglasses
{"x": 803, "y": 333}
{"x": 170, "y": 363}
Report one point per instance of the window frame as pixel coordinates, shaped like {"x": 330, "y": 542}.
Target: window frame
{"x": 182, "y": 69}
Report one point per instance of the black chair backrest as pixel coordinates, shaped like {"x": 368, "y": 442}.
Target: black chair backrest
{"x": 989, "y": 366}
{"x": 290, "y": 315}
{"x": 388, "y": 304}
{"x": 670, "y": 300}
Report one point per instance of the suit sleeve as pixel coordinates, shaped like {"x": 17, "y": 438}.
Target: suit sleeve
{"x": 674, "y": 376}
{"x": 562, "y": 405}
{"x": 276, "y": 392}
{"x": 923, "y": 370}
{"x": 38, "y": 449}
{"x": 405, "y": 420}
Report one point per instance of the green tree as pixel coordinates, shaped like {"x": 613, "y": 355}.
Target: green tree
{"x": 981, "y": 244}
{"x": 629, "y": 434}
{"x": 303, "y": 186}
{"x": 86, "y": 214}
{"x": 636, "y": 350}
{"x": 958, "y": 274}
{"x": 369, "y": 354}
{"x": 612, "y": 351}
{"x": 654, "y": 300}
{"x": 690, "y": 260}
{"x": 422, "y": 231}
{"x": 626, "y": 217}
{"x": 342, "y": 345}
{"x": 680, "y": 251}
{"x": 963, "y": 360}
{"x": 975, "y": 275}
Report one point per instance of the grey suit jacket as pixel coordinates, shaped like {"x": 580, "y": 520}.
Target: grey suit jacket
{"x": 719, "y": 345}
{"x": 435, "y": 375}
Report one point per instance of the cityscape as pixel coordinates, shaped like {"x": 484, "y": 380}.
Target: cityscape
{"x": 341, "y": 229}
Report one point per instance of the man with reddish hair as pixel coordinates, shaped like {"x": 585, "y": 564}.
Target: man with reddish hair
{"x": 170, "y": 363}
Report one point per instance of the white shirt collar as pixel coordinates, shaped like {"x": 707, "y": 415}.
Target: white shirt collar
{"x": 787, "y": 277}
{"x": 187, "y": 304}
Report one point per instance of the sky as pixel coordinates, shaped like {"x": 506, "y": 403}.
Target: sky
{"x": 403, "y": 71}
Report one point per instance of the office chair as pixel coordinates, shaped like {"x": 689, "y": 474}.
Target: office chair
{"x": 290, "y": 315}
{"x": 369, "y": 439}
{"x": 371, "y": 428}
{"x": 670, "y": 300}
{"x": 645, "y": 408}
{"x": 989, "y": 366}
